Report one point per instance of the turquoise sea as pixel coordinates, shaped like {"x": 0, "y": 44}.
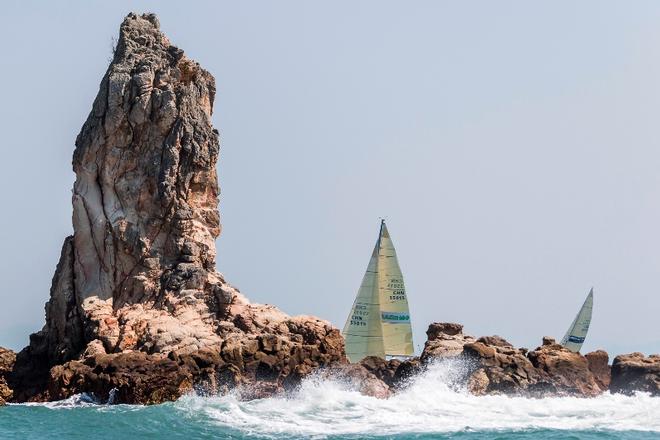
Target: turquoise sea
{"x": 430, "y": 408}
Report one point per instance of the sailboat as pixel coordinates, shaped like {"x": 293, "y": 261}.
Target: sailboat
{"x": 379, "y": 322}
{"x": 577, "y": 332}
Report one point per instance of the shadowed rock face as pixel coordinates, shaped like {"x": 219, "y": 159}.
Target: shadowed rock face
{"x": 139, "y": 273}
{"x": 636, "y": 372}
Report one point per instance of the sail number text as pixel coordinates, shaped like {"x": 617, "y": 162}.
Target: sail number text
{"x": 359, "y": 316}
{"x": 398, "y": 289}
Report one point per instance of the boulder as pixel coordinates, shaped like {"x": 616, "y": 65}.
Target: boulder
{"x": 438, "y": 329}
{"x": 548, "y": 340}
{"x": 636, "y": 372}
{"x": 359, "y": 378}
{"x": 445, "y": 340}
{"x": 385, "y": 370}
{"x": 598, "y": 363}
{"x": 502, "y": 370}
{"x": 495, "y": 341}
{"x": 406, "y": 372}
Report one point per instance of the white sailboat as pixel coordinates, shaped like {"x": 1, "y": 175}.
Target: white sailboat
{"x": 577, "y": 332}
{"x": 379, "y": 322}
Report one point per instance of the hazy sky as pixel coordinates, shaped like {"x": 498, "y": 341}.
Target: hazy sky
{"x": 513, "y": 147}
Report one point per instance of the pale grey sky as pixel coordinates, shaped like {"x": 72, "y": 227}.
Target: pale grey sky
{"x": 513, "y": 147}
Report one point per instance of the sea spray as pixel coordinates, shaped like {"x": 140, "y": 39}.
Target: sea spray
{"x": 433, "y": 405}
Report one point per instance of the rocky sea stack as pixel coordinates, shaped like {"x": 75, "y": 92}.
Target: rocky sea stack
{"x": 136, "y": 303}
{"x": 139, "y": 314}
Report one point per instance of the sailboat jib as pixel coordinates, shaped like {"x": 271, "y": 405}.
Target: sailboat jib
{"x": 379, "y": 322}
{"x": 577, "y": 332}
{"x": 362, "y": 331}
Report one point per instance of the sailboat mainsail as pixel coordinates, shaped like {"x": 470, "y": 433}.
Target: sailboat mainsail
{"x": 577, "y": 332}
{"x": 379, "y": 322}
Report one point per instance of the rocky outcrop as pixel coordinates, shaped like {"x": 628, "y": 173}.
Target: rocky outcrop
{"x": 444, "y": 340}
{"x": 7, "y": 360}
{"x": 384, "y": 370}
{"x": 359, "y": 378}
{"x": 598, "y": 363}
{"x": 636, "y": 372}
{"x": 501, "y": 369}
{"x": 568, "y": 372}
{"x": 132, "y": 377}
{"x": 136, "y": 302}
{"x": 493, "y": 366}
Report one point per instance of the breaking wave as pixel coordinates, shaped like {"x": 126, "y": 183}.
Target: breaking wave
{"x": 431, "y": 404}
{"x": 430, "y": 407}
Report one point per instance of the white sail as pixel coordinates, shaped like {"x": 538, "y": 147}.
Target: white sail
{"x": 379, "y": 322}
{"x": 577, "y": 332}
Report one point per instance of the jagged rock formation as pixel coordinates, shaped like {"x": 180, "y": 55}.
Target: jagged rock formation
{"x": 568, "y": 372}
{"x": 636, "y": 372}
{"x": 494, "y": 366}
{"x": 136, "y": 284}
{"x": 444, "y": 340}
{"x": 7, "y": 359}
{"x": 137, "y": 312}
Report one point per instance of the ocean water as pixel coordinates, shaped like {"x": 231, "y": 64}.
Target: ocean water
{"x": 430, "y": 408}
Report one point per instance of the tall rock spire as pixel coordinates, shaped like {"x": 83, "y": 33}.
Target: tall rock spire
{"x": 146, "y": 193}
{"x": 145, "y": 198}
{"x": 138, "y": 275}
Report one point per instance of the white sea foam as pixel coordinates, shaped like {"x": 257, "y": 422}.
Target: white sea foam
{"x": 75, "y": 401}
{"x": 430, "y": 404}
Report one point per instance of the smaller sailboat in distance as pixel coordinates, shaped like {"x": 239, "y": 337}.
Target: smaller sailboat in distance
{"x": 577, "y": 332}
{"x": 379, "y": 322}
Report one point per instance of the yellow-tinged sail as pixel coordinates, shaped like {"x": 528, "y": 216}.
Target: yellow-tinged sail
{"x": 379, "y": 322}
{"x": 395, "y": 316}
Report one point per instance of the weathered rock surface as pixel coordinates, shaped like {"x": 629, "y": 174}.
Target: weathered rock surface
{"x": 636, "y": 372}
{"x": 359, "y": 378}
{"x": 444, "y": 340}
{"x": 7, "y": 360}
{"x": 567, "y": 371}
{"x": 493, "y": 366}
{"x": 384, "y": 370}
{"x": 598, "y": 362}
{"x": 394, "y": 373}
{"x": 136, "y": 300}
